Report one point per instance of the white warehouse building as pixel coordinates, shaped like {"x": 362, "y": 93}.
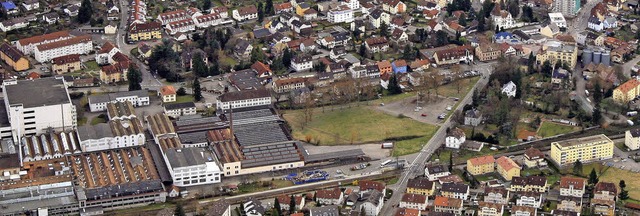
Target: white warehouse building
{"x": 192, "y": 166}
{"x": 241, "y": 99}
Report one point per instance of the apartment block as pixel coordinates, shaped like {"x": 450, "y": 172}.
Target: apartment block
{"x": 585, "y": 149}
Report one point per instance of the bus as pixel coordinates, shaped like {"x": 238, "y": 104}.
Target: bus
{"x": 385, "y": 163}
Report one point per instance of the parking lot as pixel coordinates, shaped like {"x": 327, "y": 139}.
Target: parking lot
{"x": 430, "y": 109}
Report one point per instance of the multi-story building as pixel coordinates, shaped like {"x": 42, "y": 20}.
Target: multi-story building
{"x": 529, "y": 183}
{"x": 13, "y": 57}
{"x": 490, "y": 209}
{"x": 333, "y": 196}
{"x": 28, "y": 45}
{"x": 76, "y": 45}
{"x": 377, "y": 17}
{"x": 421, "y": 186}
{"x": 376, "y": 44}
{"x": 627, "y": 91}
{"x": 342, "y": 14}
{"x": 144, "y": 31}
{"x": 558, "y": 19}
{"x": 496, "y": 195}
{"x": 301, "y": 63}
{"x": 241, "y": 99}
{"x": 569, "y": 203}
{"x": 245, "y": 13}
{"x": 373, "y": 204}
{"x": 572, "y": 186}
{"x": 66, "y": 64}
{"x": 181, "y": 26}
{"x": 488, "y": 52}
{"x": 524, "y": 211}
{"x": 632, "y": 139}
{"x": 192, "y": 166}
{"x": 502, "y": 18}
{"x": 48, "y": 146}
{"x": 554, "y": 51}
{"x": 604, "y": 197}
{"x": 531, "y": 199}
{"x": 481, "y": 165}
{"x": 584, "y": 149}
{"x": 35, "y": 106}
{"x": 98, "y": 103}
{"x": 172, "y": 16}
{"x": 176, "y": 110}
{"x": 507, "y": 168}
{"x": 118, "y": 133}
{"x": 168, "y": 94}
{"x": 208, "y": 20}
{"x": 454, "y": 55}
{"x": 414, "y": 201}
{"x": 448, "y": 205}
{"x": 455, "y": 190}
{"x": 433, "y": 172}
{"x": 567, "y": 7}
{"x": 290, "y": 84}
{"x": 455, "y": 138}
{"x": 534, "y": 157}
{"x": 394, "y": 6}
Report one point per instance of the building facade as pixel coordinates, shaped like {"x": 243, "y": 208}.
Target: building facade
{"x": 585, "y": 149}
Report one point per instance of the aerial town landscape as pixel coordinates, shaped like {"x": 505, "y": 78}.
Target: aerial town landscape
{"x": 320, "y": 108}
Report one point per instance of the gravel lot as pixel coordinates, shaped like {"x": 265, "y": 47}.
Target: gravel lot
{"x": 432, "y": 108}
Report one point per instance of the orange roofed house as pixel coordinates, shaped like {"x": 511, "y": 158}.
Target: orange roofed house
{"x": 507, "y": 168}
{"x": 481, "y": 165}
{"x": 627, "y": 91}
{"x": 448, "y": 205}
{"x": 168, "y": 94}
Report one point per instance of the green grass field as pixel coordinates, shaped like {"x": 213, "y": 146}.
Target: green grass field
{"x": 91, "y": 66}
{"x": 451, "y": 89}
{"x": 551, "y": 129}
{"x": 614, "y": 175}
{"x": 358, "y": 125}
{"x": 98, "y": 120}
{"x": 184, "y": 98}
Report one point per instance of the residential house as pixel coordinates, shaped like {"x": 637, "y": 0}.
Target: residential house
{"x": 529, "y": 183}
{"x": 245, "y": 13}
{"x": 399, "y": 36}
{"x": 367, "y": 186}
{"x": 448, "y": 205}
{"x": 51, "y": 18}
{"x": 333, "y": 196}
{"x": 243, "y": 49}
{"x": 421, "y": 186}
{"x": 301, "y": 63}
{"x": 341, "y": 14}
{"x": 572, "y": 186}
{"x": 610, "y": 22}
{"x": 595, "y": 24}
{"x": 399, "y": 66}
{"x": 13, "y": 24}
{"x": 9, "y": 7}
{"x": 377, "y": 17}
{"x": 455, "y": 190}
{"x": 373, "y": 203}
{"x": 262, "y": 70}
{"x": 531, "y": 199}
{"x": 283, "y": 7}
{"x": 376, "y": 44}
{"x": 433, "y": 172}
{"x": 502, "y": 18}
{"x": 144, "y": 31}
{"x": 559, "y": 76}
{"x": 426, "y": 5}
{"x": 172, "y": 16}
{"x": 569, "y": 203}
{"x": 310, "y": 14}
{"x": 481, "y": 165}
{"x": 414, "y": 201}
{"x": 472, "y": 117}
{"x": 168, "y": 94}
{"x": 394, "y": 6}
{"x": 114, "y": 73}
{"x": 175, "y": 110}
{"x": 302, "y": 28}
{"x": 507, "y": 168}
{"x": 30, "y": 5}
{"x": 330, "y": 210}
{"x": 488, "y": 52}
{"x": 564, "y": 52}
{"x": 253, "y": 207}
{"x": 550, "y": 30}
{"x": 455, "y": 138}
{"x": 72, "y": 10}
{"x": 490, "y": 209}
{"x": 407, "y": 212}
{"x": 454, "y": 55}
{"x": 533, "y": 157}
{"x": 558, "y": 20}
{"x": 509, "y": 89}
{"x": 301, "y": 8}
{"x": 523, "y": 211}
{"x": 288, "y": 84}
{"x": 65, "y": 64}
{"x": 626, "y": 92}
{"x": 604, "y": 197}
{"x": 181, "y": 26}
{"x": 13, "y": 57}
{"x": 285, "y": 201}
{"x": 498, "y": 195}
{"x": 632, "y": 139}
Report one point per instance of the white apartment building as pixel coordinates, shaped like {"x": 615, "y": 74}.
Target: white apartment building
{"x": 28, "y": 45}
{"x": 353, "y": 4}
{"x": 558, "y": 19}
{"x": 34, "y": 106}
{"x": 245, "y": 13}
{"x": 181, "y": 26}
{"x": 98, "y": 103}
{"x": 77, "y": 45}
{"x": 106, "y": 53}
{"x": 240, "y": 99}
{"x": 342, "y": 14}
{"x": 111, "y": 135}
{"x": 176, "y": 110}
{"x": 208, "y": 20}
{"x": 192, "y": 166}
{"x": 287, "y": 85}
{"x": 632, "y": 139}
{"x": 172, "y": 16}
{"x": 301, "y": 63}
{"x": 566, "y": 7}
{"x": 531, "y": 199}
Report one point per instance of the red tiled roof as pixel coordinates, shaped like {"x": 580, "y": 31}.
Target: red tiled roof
{"x": 567, "y": 181}
{"x": 414, "y": 198}
{"x": 167, "y": 90}
{"x": 447, "y": 202}
{"x": 63, "y": 43}
{"x": 334, "y": 193}
{"x": 66, "y": 59}
{"x": 629, "y": 85}
{"x": 488, "y": 159}
{"x": 45, "y": 37}
{"x": 371, "y": 185}
{"x": 506, "y": 163}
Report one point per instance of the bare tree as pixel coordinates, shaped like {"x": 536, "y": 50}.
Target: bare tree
{"x": 307, "y": 112}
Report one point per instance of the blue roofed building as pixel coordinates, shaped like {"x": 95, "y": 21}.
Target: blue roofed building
{"x": 399, "y": 66}
{"x": 505, "y": 37}
{"x": 9, "y": 7}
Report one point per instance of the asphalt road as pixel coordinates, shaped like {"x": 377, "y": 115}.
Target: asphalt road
{"x": 434, "y": 143}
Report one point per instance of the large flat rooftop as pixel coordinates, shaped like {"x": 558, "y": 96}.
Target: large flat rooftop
{"x": 595, "y": 139}
{"x": 37, "y": 92}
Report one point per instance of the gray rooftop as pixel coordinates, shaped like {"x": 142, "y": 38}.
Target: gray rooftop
{"x": 38, "y": 92}
{"x": 330, "y": 210}
{"x": 145, "y": 186}
{"x": 175, "y": 106}
{"x": 260, "y": 133}
{"x": 188, "y": 157}
{"x": 104, "y": 98}
{"x": 94, "y": 131}
{"x": 4, "y": 117}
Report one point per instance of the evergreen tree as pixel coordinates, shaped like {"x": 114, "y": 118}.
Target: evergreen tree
{"x": 514, "y": 8}
{"x": 276, "y": 206}
{"x": 214, "y": 70}
{"x": 257, "y": 55}
{"x": 394, "y": 87}
{"x": 197, "y": 91}
{"x": 286, "y": 58}
{"x": 268, "y": 7}
{"x": 199, "y": 66}
{"x": 596, "y": 116}
{"x": 481, "y": 24}
{"x": 206, "y": 4}
{"x": 408, "y": 54}
{"x": 260, "y": 12}
{"x": 292, "y": 204}
{"x": 593, "y": 176}
{"x": 85, "y": 12}
{"x": 181, "y": 91}
{"x": 577, "y": 168}
{"x": 597, "y": 94}
{"x": 363, "y": 50}
{"x": 442, "y": 38}
{"x": 450, "y": 162}
{"x": 320, "y": 67}
{"x": 624, "y": 195}
{"x": 384, "y": 29}
{"x": 622, "y": 184}
{"x": 179, "y": 211}
{"x": 462, "y": 20}
{"x": 134, "y": 77}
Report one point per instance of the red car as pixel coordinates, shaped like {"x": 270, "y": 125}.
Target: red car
{"x": 424, "y": 115}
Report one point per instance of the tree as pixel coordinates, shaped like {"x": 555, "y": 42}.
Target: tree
{"x": 442, "y": 38}
{"x": 596, "y": 116}
{"x": 597, "y": 94}
{"x": 292, "y": 204}
{"x": 320, "y": 67}
{"x": 408, "y": 54}
{"x": 268, "y": 7}
{"x": 179, "y": 211}
{"x": 85, "y": 12}
{"x": 593, "y": 176}
{"x": 134, "y": 77}
{"x": 481, "y": 24}
{"x": 450, "y": 162}
{"x": 363, "y": 50}
{"x": 214, "y": 70}
{"x": 197, "y": 91}
{"x": 487, "y": 7}
{"x": 577, "y": 168}
{"x": 622, "y": 184}
{"x": 206, "y": 4}
{"x": 514, "y": 8}
{"x": 624, "y": 195}
{"x": 260, "y": 12}
{"x": 384, "y": 29}
{"x": 527, "y": 14}
{"x": 181, "y": 91}
{"x": 394, "y": 87}
{"x": 199, "y": 66}
{"x": 286, "y": 58}
{"x": 462, "y": 20}
{"x": 257, "y": 55}
{"x": 276, "y": 206}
